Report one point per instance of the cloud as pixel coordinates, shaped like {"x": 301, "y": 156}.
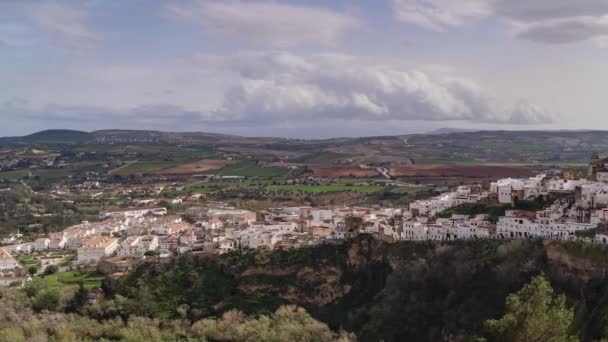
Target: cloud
{"x": 66, "y": 27}
{"x": 159, "y": 116}
{"x": 274, "y": 89}
{"x": 544, "y": 21}
{"x": 565, "y": 30}
{"x": 540, "y": 10}
{"x": 266, "y": 89}
{"x": 287, "y": 87}
{"x": 439, "y": 14}
{"x": 269, "y": 23}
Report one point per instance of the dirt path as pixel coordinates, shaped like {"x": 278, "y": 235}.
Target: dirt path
{"x": 122, "y": 167}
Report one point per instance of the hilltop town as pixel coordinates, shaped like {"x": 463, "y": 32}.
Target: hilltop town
{"x": 570, "y": 205}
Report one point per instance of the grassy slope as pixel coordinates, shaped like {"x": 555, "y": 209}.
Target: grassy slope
{"x": 70, "y": 279}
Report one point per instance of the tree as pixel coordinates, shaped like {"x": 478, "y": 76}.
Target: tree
{"x": 534, "y": 313}
{"x": 51, "y": 269}
{"x": 32, "y": 270}
{"x": 152, "y": 253}
{"x": 46, "y": 300}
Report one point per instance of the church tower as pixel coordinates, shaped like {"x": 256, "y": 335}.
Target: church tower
{"x": 594, "y": 165}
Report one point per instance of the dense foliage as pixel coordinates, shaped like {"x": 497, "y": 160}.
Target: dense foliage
{"x": 407, "y": 291}
{"x": 32, "y": 213}
{"x": 534, "y": 313}
{"x": 20, "y": 320}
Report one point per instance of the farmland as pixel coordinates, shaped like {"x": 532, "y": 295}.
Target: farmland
{"x": 140, "y": 167}
{"x": 460, "y": 171}
{"x": 200, "y": 166}
{"x": 14, "y": 175}
{"x": 249, "y": 169}
{"x": 325, "y": 188}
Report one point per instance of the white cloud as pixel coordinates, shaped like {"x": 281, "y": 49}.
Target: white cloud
{"x": 66, "y": 26}
{"x": 287, "y": 87}
{"x": 545, "y": 21}
{"x": 567, "y": 30}
{"x": 439, "y": 14}
{"x": 258, "y": 89}
{"x": 269, "y": 23}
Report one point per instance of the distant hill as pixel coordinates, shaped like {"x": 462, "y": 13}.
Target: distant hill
{"x": 442, "y": 147}
{"x": 447, "y": 130}
{"x": 51, "y": 137}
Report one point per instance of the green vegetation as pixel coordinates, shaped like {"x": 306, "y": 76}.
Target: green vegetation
{"x": 322, "y": 158}
{"x": 71, "y": 279}
{"x": 14, "y": 175}
{"x": 34, "y": 213}
{"x": 493, "y": 211}
{"x": 250, "y": 169}
{"x": 24, "y": 322}
{"x": 406, "y": 291}
{"x": 534, "y": 313}
{"x": 138, "y": 167}
{"x": 27, "y": 260}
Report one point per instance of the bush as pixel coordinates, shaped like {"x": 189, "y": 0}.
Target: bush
{"x": 51, "y": 269}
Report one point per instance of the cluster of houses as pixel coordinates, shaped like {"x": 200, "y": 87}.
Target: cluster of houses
{"x": 123, "y": 236}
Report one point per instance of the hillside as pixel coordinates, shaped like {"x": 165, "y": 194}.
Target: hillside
{"x": 50, "y": 137}
{"x": 406, "y": 291}
{"x": 530, "y": 147}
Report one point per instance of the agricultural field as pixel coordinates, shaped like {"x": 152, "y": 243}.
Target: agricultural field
{"x": 201, "y": 166}
{"x": 342, "y": 171}
{"x": 148, "y": 152}
{"x": 339, "y": 185}
{"x": 250, "y": 169}
{"x": 326, "y": 188}
{"x": 14, "y": 175}
{"x": 460, "y": 171}
{"x": 140, "y": 167}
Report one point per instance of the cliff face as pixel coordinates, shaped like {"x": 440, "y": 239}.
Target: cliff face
{"x": 435, "y": 291}
{"x": 314, "y": 280}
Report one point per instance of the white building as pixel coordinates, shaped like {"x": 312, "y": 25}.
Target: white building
{"x": 320, "y": 215}
{"x": 137, "y": 245}
{"x": 41, "y": 244}
{"x": 226, "y": 245}
{"x": 525, "y": 189}
{"x": 458, "y": 227}
{"x": 8, "y": 264}
{"x": 96, "y": 248}
{"x": 274, "y": 226}
{"x": 518, "y": 224}
{"x": 133, "y": 212}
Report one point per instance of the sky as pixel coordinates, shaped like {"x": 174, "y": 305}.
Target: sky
{"x": 303, "y": 69}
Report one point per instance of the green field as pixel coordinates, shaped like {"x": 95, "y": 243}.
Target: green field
{"x": 145, "y": 166}
{"x": 70, "y": 279}
{"x": 340, "y": 185}
{"x": 14, "y": 175}
{"x": 54, "y": 174}
{"x": 408, "y": 190}
{"x": 249, "y": 169}
{"x": 150, "y": 152}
